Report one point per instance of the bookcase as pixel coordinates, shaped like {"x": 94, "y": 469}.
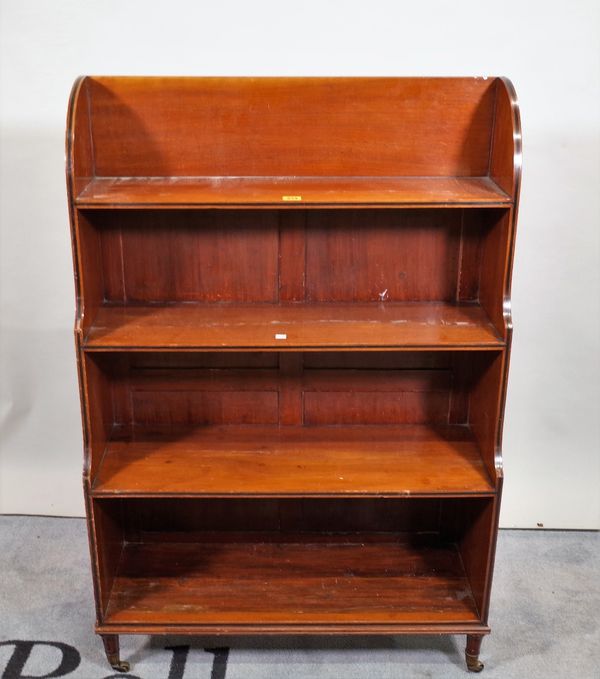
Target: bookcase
{"x": 293, "y": 332}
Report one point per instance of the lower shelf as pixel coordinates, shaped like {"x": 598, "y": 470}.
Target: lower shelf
{"x": 320, "y": 579}
{"x": 415, "y": 460}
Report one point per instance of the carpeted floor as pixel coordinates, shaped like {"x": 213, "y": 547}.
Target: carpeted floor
{"x": 545, "y": 621}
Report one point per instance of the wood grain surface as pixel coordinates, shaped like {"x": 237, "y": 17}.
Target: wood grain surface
{"x": 290, "y": 192}
{"x": 292, "y": 326}
{"x": 253, "y": 583}
{"x": 293, "y": 461}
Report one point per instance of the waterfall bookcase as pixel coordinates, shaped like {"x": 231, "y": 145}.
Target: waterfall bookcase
{"x": 293, "y": 332}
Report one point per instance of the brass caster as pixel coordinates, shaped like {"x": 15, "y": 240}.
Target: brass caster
{"x": 473, "y": 663}
{"x": 117, "y": 664}
{"x": 121, "y": 666}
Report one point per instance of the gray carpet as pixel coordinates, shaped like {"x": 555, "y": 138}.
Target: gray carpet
{"x": 545, "y": 621}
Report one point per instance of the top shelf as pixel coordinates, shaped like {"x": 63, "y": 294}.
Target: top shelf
{"x": 206, "y": 192}
{"x": 239, "y": 142}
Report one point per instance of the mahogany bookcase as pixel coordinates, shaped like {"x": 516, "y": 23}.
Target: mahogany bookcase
{"x": 293, "y": 332}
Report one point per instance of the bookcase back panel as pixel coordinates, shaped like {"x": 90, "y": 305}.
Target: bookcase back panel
{"x": 381, "y": 255}
{"x": 143, "y": 519}
{"x": 181, "y": 519}
{"x": 198, "y": 406}
{"x": 205, "y": 359}
{"x": 376, "y": 360}
{"x": 219, "y": 397}
{"x": 191, "y": 256}
{"x": 319, "y": 256}
{"x": 219, "y": 127}
{"x": 373, "y": 397}
{"x": 247, "y": 389}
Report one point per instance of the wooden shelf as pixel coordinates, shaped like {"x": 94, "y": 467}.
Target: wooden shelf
{"x": 205, "y": 192}
{"x": 348, "y": 580}
{"x": 250, "y": 461}
{"x": 427, "y": 325}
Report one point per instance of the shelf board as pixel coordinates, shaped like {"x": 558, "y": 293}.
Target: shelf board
{"x": 350, "y": 581}
{"x": 427, "y": 325}
{"x": 259, "y": 461}
{"x": 201, "y": 192}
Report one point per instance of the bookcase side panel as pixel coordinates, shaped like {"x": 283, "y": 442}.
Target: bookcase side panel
{"x": 474, "y": 525}
{"x": 485, "y": 406}
{"x": 505, "y": 157}
{"x": 107, "y": 540}
{"x": 99, "y": 413}
{"x": 90, "y": 275}
{"x": 496, "y": 262}
{"x": 79, "y": 149}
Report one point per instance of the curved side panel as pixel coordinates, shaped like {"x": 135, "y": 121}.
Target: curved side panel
{"x": 88, "y": 280}
{"x": 75, "y": 106}
{"x": 78, "y": 163}
{"x": 508, "y": 103}
{"x": 515, "y": 113}
{"x": 489, "y": 395}
{"x": 77, "y": 109}
{"x": 79, "y": 152}
{"x": 516, "y": 162}
{"x": 79, "y": 169}
{"x": 505, "y": 161}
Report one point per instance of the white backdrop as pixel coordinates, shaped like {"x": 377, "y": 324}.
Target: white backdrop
{"x": 550, "y": 51}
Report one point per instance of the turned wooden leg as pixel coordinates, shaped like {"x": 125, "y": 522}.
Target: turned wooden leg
{"x": 472, "y": 652}
{"x": 111, "y": 648}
